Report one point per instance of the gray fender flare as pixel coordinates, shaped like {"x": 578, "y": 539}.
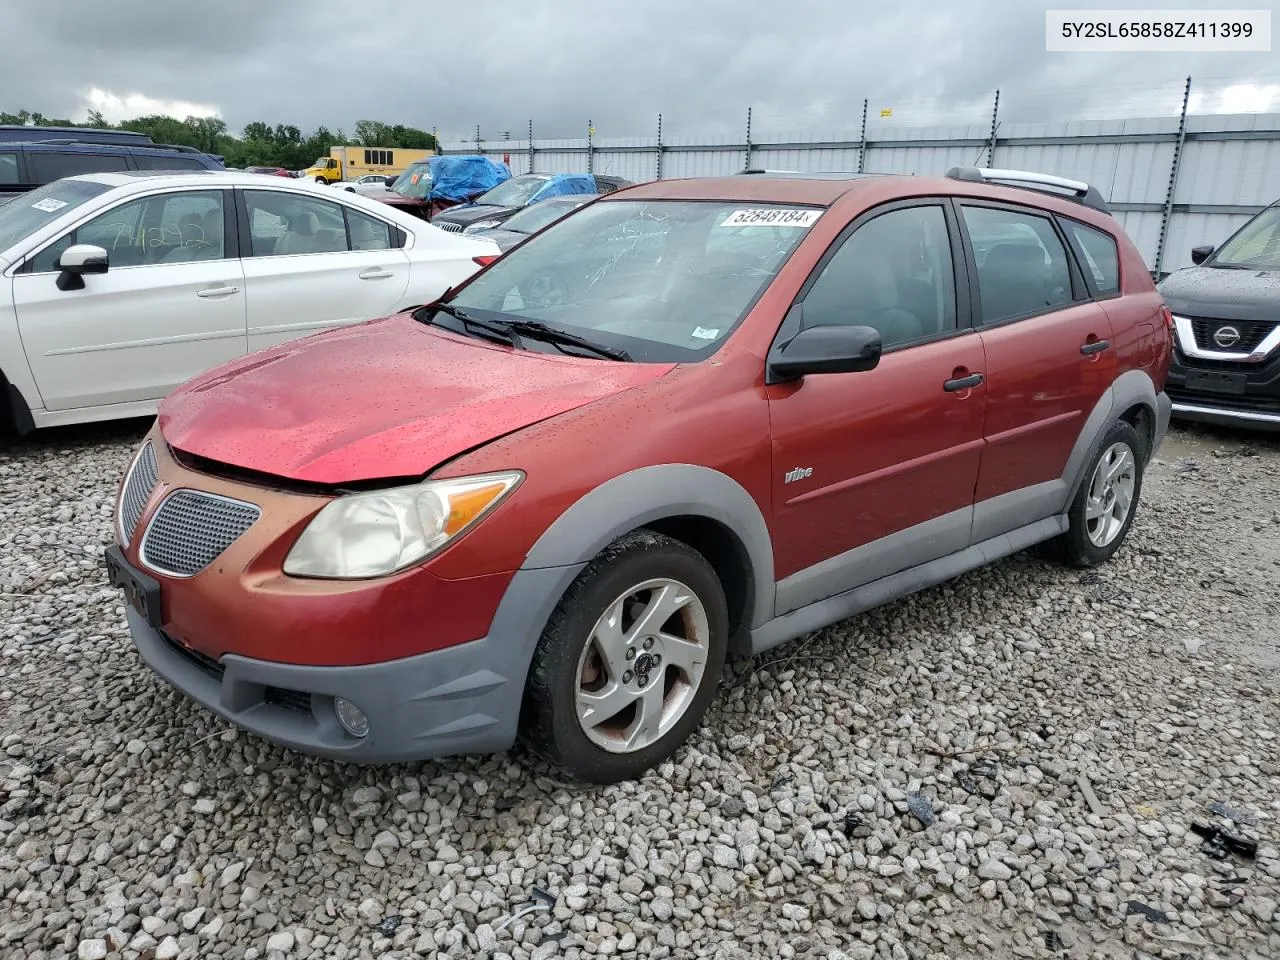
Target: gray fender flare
{"x": 655, "y": 493}
{"x": 1130, "y": 388}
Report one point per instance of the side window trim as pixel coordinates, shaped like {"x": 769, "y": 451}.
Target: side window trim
{"x": 1095, "y": 293}
{"x": 789, "y": 326}
{"x": 1079, "y": 292}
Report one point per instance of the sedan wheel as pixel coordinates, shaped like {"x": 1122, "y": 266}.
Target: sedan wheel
{"x": 1110, "y": 494}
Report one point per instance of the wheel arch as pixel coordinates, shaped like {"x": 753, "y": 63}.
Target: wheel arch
{"x": 1132, "y": 397}
{"x": 15, "y": 412}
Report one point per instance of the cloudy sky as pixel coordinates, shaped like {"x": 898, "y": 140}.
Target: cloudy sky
{"x": 800, "y": 64}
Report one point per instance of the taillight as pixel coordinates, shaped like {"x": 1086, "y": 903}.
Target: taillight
{"x": 485, "y": 260}
{"x": 1168, "y": 317}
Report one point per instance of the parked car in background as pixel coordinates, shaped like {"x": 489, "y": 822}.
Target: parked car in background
{"x": 430, "y": 186}
{"x": 271, "y": 171}
{"x": 1226, "y": 312}
{"x": 25, "y": 165}
{"x": 120, "y": 286}
{"x": 370, "y": 184}
{"x": 520, "y": 225}
{"x": 551, "y": 512}
{"x": 496, "y": 205}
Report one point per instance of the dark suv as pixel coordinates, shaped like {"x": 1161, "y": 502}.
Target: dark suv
{"x": 691, "y": 418}
{"x": 1226, "y": 314}
{"x": 30, "y": 157}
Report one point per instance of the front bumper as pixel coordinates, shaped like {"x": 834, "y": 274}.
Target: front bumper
{"x": 436, "y": 704}
{"x": 1253, "y": 401}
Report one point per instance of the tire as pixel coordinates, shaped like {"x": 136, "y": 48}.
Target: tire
{"x": 322, "y": 181}
{"x": 570, "y": 660}
{"x": 1090, "y": 542}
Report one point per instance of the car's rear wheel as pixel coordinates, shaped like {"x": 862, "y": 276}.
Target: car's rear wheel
{"x": 321, "y": 180}
{"x": 1103, "y": 509}
{"x": 628, "y": 662}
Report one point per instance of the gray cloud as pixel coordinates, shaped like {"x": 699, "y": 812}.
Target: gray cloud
{"x": 801, "y": 65}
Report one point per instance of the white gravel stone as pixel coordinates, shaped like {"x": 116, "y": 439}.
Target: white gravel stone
{"x": 92, "y": 950}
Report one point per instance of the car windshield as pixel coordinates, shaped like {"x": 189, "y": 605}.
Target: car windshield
{"x": 664, "y": 280}
{"x": 31, "y": 211}
{"x": 515, "y": 192}
{"x": 532, "y": 219}
{"x": 414, "y": 183}
{"x": 1256, "y": 246}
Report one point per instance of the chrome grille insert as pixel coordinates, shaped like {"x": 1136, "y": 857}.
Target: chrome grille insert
{"x": 191, "y": 529}
{"x": 138, "y": 485}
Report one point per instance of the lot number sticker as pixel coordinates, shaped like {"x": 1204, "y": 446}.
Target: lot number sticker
{"x": 771, "y": 217}
{"x": 48, "y": 205}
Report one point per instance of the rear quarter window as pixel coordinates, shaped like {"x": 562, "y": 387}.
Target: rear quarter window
{"x": 153, "y": 162}
{"x": 8, "y": 168}
{"x": 1099, "y": 252}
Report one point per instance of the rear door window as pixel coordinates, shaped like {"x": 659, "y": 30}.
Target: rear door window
{"x": 149, "y": 161}
{"x": 9, "y": 168}
{"x": 46, "y": 166}
{"x": 1022, "y": 265}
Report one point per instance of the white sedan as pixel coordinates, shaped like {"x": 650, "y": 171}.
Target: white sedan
{"x": 118, "y": 287}
{"x": 370, "y": 183}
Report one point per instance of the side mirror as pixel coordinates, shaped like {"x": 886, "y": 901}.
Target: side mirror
{"x": 1200, "y": 254}
{"x": 833, "y": 348}
{"x": 78, "y": 260}
{"x": 389, "y": 181}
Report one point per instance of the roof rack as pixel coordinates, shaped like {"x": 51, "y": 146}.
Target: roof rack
{"x": 808, "y": 174}
{"x": 1076, "y": 190}
{"x": 150, "y": 145}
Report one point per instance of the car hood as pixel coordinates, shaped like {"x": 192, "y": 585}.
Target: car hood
{"x": 398, "y": 199}
{"x": 505, "y": 239}
{"x": 1223, "y": 294}
{"x": 474, "y": 213}
{"x": 384, "y": 399}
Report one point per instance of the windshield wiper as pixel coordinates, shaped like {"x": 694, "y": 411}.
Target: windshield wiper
{"x": 540, "y": 331}
{"x": 495, "y": 332}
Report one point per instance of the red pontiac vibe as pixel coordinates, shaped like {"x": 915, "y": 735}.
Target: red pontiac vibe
{"x": 692, "y": 419}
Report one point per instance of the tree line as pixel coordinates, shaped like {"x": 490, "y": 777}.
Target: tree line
{"x": 259, "y": 144}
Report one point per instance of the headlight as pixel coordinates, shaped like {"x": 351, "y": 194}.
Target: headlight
{"x": 380, "y": 532}
{"x": 482, "y": 225}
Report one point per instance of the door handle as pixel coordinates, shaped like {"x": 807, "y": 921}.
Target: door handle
{"x": 217, "y": 291}
{"x": 375, "y": 273}
{"x": 962, "y": 383}
{"x": 1094, "y": 346}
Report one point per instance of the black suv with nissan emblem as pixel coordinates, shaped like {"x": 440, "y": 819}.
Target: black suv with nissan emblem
{"x": 1226, "y": 314}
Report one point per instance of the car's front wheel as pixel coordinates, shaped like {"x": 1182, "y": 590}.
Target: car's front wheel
{"x": 321, "y": 180}
{"x": 628, "y": 662}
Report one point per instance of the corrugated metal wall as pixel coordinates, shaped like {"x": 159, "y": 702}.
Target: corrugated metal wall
{"x": 1229, "y": 164}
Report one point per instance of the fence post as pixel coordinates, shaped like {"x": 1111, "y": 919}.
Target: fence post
{"x": 995, "y": 123}
{"x": 659, "y": 165}
{"x": 478, "y": 150}
{"x": 531, "y": 146}
{"x": 590, "y": 147}
{"x": 862, "y": 149}
{"x": 1173, "y": 179}
{"x": 747, "y": 165}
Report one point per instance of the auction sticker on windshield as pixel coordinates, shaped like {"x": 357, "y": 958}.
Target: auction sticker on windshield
{"x": 49, "y": 205}
{"x": 771, "y": 217}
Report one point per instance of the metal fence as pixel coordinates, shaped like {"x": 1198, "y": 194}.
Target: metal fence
{"x": 1173, "y": 182}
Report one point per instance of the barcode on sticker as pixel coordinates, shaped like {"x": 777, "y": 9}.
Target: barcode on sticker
{"x": 49, "y": 205}
{"x": 771, "y": 217}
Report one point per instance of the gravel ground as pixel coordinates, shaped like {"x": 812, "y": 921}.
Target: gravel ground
{"x": 1008, "y": 766}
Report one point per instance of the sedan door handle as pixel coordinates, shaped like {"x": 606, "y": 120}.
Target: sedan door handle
{"x": 375, "y": 273}
{"x": 962, "y": 383}
{"x": 1094, "y": 346}
{"x": 217, "y": 291}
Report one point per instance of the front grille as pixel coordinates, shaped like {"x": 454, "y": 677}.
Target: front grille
{"x": 207, "y": 665}
{"x": 191, "y": 529}
{"x": 137, "y": 489}
{"x": 446, "y": 225}
{"x": 289, "y": 699}
{"x": 1252, "y": 333}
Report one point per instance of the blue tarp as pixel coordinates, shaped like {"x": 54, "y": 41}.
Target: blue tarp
{"x": 565, "y": 185}
{"x": 461, "y": 178}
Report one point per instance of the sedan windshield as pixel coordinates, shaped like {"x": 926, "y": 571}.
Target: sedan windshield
{"x": 532, "y": 219}
{"x": 31, "y": 211}
{"x": 1256, "y": 246}
{"x": 515, "y": 192}
{"x": 665, "y": 280}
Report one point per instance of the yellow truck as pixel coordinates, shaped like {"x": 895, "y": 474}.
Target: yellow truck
{"x": 352, "y": 163}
